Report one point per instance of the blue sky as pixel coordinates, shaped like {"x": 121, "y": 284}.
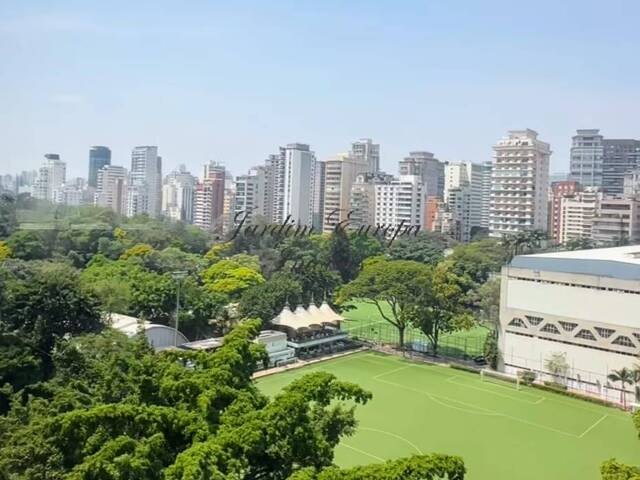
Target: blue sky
{"x": 230, "y": 81}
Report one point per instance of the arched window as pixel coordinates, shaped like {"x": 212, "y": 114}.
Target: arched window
{"x": 624, "y": 341}
{"x": 550, "y": 328}
{"x": 586, "y": 335}
{"x": 517, "y": 322}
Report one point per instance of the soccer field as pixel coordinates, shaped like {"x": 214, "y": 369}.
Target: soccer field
{"x": 364, "y": 321}
{"x": 501, "y": 432}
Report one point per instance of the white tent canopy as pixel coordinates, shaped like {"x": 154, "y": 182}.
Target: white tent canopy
{"x": 311, "y": 318}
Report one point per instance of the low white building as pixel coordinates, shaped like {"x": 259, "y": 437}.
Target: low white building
{"x": 158, "y": 336}
{"x": 584, "y": 305}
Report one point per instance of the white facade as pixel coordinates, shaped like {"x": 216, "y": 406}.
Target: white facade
{"x": 576, "y": 214}
{"x": 581, "y": 304}
{"x": 178, "y": 191}
{"x": 294, "y": 184}
{"x": 340, "y": 174}
{"x": 400, "y": 202}
{"x": 587, "y": 151}
{"x": 519, "y": 184}
{"x": 428, "y": 168}
{"x": 111, "y": 191}
{"x": 145, "y": 182}
{"x": 250, "y": 195}
{"x": 617, "y": 221}
{"x": 50, "y": 180}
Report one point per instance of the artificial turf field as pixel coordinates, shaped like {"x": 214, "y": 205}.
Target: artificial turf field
{"x": 499, "y": 431}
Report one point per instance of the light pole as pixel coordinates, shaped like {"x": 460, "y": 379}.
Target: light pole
{"x": 178, "y": 277}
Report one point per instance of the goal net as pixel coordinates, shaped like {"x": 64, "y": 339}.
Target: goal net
{"x": 500, "y": 378}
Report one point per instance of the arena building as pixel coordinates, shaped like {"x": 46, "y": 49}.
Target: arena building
{"x": 583, "y": 305}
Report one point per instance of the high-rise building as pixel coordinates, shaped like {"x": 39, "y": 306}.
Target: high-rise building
{"x": 362, "y": 204}
{"x": 145, "y": 182}
{"x": 292, "y": 184}
{"x": 487, "y": 169}
{"x": 619, "y": 158}
{"x": 178, "y": 191}
{"x": 341, "y": 172}
{"x": 617, "y": 222}
{"x": 318, "y": 195}
{"x": 576, "y": 214}
{"x": 250, "y": 195}
{"x": 558, "y": 191}
{"x": 50, "y": 180}
{"x": 428, "y": 168}
{"x": 400, "y": 202}
{"x": 631, "y": 184}
{"x": 586, "y": 158}
{"x": 98, "y": 158}
{"x": 208, "y": 211}
{"x": 111, "y": 188}
{"x": 464, "y": 188}
{"x": 365, "y": 151}
{"x": 519, "y": 184}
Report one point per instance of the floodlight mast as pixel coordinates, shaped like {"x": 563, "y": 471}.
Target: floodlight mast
{"x": 178, "y": 276}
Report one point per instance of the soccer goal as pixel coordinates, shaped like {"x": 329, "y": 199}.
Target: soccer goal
{"x": 500, "y": 378}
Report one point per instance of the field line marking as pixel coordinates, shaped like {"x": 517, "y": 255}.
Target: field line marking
{"x": 503, "y": 395}
{"x": 593, "y": 426}
{"x": 362, "y": 452}
{"x": 399, "y": 437}
{"x": 489, "y": 412}
{"x": 395, "y": 370}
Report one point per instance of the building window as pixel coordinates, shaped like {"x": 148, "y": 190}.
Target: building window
{"x": 517, "y": 322}
{"x": 624, "y": 341}
{"x": 586, "y": 334}
{"x": 637, "y": 335}
{"x": 568, "y": 326}
{"x": 604, "y": 332}
{"x": 550, "y": 328}
{"x": 534, "y": 321}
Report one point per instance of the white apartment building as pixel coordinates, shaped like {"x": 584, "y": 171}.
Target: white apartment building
{"x": 145, "y": 182}
{"x": 340, "y": 174}
{"x": 485, "y": 197}
{"x": 519, "y": 184}
{"x": 576, "y": 214}
{"x": 250, "y": 195}
{"x": 111, "y": 190}
{"x": 617, "y": 222}
{"x": 362, "y": 202}
{"x": 178, "y": 193}
{"x": 50, "y": 180}
{"x": 318, "y": 195}
{"x": 400, "y": 202}
{"x": 293, "y": 184}
{"x": 367, "y": 152}
{"x": 581, "y": 304}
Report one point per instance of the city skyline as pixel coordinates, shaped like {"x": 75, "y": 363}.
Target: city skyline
{"x": 227, "y": 84}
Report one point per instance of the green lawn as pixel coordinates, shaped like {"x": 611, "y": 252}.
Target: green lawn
{"x": 501, "y": 432}
{"x": 365, "y": 322}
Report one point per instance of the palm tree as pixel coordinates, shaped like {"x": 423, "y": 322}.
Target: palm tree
{"x": 624, "y": 376}
{"x": 636, "y": 381}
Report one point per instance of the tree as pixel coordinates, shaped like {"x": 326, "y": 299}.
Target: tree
{"x": 517, "y": 243}
{"x": 8, "y": 215}
{"x": 556, "y": 364}
{"x": 46, "y": 308}
{"x": 417, "y": 467}
{"x": 624, "y": 376}
{"x": 5, "y": 251}
{"x": 393, "y": 283}
{"x": 440, "y": 307}
{"x": 341, "y": 257}
{"x": 478, "y": 259}
{"x": 266, "y": 300}
{"x": 27, "y": 245}
{"x": 426, "y": 247}
{"x": 581, "y": 243}
{"x": 230, "y": 277}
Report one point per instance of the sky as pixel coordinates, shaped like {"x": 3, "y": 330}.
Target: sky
{"x": 231, "y": 81}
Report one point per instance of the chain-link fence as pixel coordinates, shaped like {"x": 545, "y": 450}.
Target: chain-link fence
{"x": 459, "y": 345}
